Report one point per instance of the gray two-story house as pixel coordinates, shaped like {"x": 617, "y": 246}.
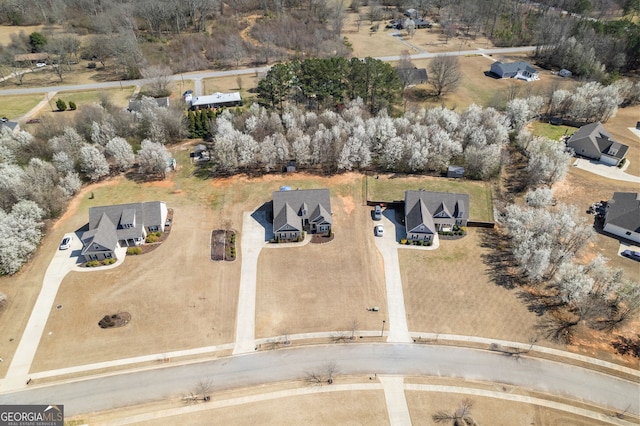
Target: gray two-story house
{"x": 306, "y": 210}
{"x": 593, "y": 141}
{"x": 426, "y": 213}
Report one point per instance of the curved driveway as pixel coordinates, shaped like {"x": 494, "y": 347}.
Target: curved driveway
{"x": 112, "y": 391}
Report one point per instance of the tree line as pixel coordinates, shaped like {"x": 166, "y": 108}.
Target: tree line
{"x": 320, "y": 83}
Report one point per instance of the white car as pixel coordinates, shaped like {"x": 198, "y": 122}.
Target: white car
{"x": 40, "y": 64}
{"x": 66, "y": 243}
{"x": 378, "y": 230}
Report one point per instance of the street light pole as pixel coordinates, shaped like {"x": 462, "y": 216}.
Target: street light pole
{"x": 382, "y": 332}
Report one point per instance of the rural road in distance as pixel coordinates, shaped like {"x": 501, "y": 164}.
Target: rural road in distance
{"x": 162, "y": 382}
{"x": 212, "y": 74}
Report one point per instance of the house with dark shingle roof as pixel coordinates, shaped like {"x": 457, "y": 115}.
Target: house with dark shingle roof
{"x": 622, "y": 217}
{"x": 306, "y": 210}
{"x": 12, "y": 126}
{"x": 122, "y": 225}
{"x": 426, "y": 213}
{"x": 593, "y": 141}
{"x": 520, "y": 70}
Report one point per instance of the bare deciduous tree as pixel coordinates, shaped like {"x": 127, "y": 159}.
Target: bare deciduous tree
{"x": 325, "y": 374}
{"x": 159, "y": 80}
{"x": 460, "y": 417}
{"x": 444, "y": 74}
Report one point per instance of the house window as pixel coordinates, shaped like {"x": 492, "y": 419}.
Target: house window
{"x": 107, "y": 256}
{"x": 153, "y": 228}
{"x": 628, "y": 233}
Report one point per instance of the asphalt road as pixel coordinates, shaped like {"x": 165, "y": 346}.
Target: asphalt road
{"x": 156, "y": 383}
{"x": 211, "y": 74}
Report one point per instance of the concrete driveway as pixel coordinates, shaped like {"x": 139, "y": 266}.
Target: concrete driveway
{"x": 388, "y": 246}
{"x": 610, "y": 172}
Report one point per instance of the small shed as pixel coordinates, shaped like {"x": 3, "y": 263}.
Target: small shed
{"x": 291, "y": 166}
{"x": 455, "y": 172}
{"x": 564, "y": 73}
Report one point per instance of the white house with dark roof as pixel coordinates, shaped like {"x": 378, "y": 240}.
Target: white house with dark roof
{"x": 519, "y": 70}
{"x": 217, "y": 100}
{"x": 426, "y": 213}
{"x": 593, "y": 141}
{"x": 306, "y": 210}
{"x": 622, "y": 217}
{"x": 122, "y": 225}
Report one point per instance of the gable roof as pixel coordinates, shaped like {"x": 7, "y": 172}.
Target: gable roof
{"x": 423, "y": 206}
{"x": 103, "y": 235}
{"x": 513, "y": 67}
{"x": 137, "y": 214}
{"x": 290, "y": 207}
{"x": 411, "y": 76}
{"x": 22, "y": 57}
{"x": 135, "y": 105}
{"x": 419, "y": 216}
{"x": 623, "y": 210}
{"x": 595, "y": 134}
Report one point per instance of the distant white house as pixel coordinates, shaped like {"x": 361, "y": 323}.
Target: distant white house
{"x": 519, "y": 70}
{"x": 217, "y": 100}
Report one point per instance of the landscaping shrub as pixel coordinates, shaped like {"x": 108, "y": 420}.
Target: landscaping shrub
{"x": 151, "y": 238}
{"x": 403, "y": 241}
{"x": 93, "y": 263}
{"x": 134, "y": 250}
{"x": 61, "y": 105}
{"x": 72, "y": 106}
{"x": 108, "y": 261}
{"x": 158, "y": 234}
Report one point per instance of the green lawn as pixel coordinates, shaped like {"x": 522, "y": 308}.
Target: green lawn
{"x": 16, "y": 106}
{"x": 551, "y": 131}
{"x": 391, "y": 188}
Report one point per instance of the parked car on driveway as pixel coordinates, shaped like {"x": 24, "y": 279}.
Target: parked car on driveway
{"x": 377, "y": 212}
{"x": 378, "y": 230}
{"x": 66, "y": 243}
{"x": 635, "y": 255}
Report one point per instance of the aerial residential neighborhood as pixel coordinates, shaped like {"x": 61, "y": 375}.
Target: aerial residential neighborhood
{"x": 317, "y": 213}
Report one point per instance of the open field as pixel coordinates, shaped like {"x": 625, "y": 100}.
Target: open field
{"x": 390, "y": 187}
{"x": 450, "y": 291}
{"x": 15, "y": 107}
{"x": 240, "y": 83}
{"x": 7, "y": 30}
{"x": 332, "y": 284}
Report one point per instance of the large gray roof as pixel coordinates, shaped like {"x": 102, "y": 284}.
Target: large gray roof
{"x": 596, "y": 135}
{"x": 290, "y": 207}
{"x": 101, "y": 238}
{"x": 514, "y": 67}
{"x": 137, "y": 214}
{"x": 624, "y": 211}
{"x": 422, "y": 206}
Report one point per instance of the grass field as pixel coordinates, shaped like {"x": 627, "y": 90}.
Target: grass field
{"x": 391, "y": 187}
{"x": 551, "y": 131}
{"x": 16, "y": 106}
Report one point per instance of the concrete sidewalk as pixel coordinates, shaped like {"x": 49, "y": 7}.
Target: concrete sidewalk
{"x": 397, "y": 407}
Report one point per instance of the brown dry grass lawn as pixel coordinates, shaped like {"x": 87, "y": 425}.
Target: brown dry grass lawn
{"x": 618, "y": 126}
{"x": 239, "y": 83}
{"x": 489, "y": 411}
{"x": 323, "y": 287}
{"x": 15, "y": 107}
{"x": 449, "y": 290}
